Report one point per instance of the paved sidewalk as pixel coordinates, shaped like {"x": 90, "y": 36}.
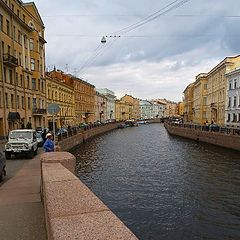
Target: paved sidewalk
{"x": 21, "y": 209}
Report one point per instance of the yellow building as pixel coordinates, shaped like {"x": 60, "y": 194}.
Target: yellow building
{"x": 217, "y": 88}
{"x": 181, "y": 109}
{"x": 171, "y": 108}
{"x": 22, "y": 66}
{"x": 200, "y": 99}
{"x": 124, "y": 110}
{"x": 188, "y": 103}
{"x": 135, "y": 103}
{"x": 84, "y": 94}
{"x": 60, "y": 90}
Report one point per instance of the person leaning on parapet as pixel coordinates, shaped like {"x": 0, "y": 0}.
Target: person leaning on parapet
{"x": 49, "y": 144}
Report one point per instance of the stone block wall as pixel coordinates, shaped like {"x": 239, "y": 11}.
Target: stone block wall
{"x": 216, "y": 138}
{"x": 72, "y": 211}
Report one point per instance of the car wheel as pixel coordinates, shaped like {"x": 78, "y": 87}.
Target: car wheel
{"x": 8, "y": 155}
{"x": 31, "y": 154}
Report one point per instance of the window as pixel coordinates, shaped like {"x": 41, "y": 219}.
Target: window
{"x": 18, "y": 102}
{"x": 17, "y": 83}
{"x": 239, "y": 117}
{"x": 205, "y": 101}
{"x": 23, "y": 104}
{"x": 33, "y": 84}
{"x": 6, "y": 100}
{"x": 12, "y": 101}
{"x": 234, "y": 101}
{"x": 28, "y": 83}
{"x": 39, "y": 85}
{"x": 21, "y": 80}
{"x": 8, "y": 27}
{"x": 31, "y": 44}
{"x": 34, "y": 103}
{"x": 235, "y": 83}
{"x": 24, "y": 18}
{"x": 5, "y": 74}
{"x": 229, "y": 102}
{"x": 229, "y": 117}
{"x": 205, "y": 86}
{"x": 18, "y": 12}
{"x": 32, "y": 64}
{"x": 19, "y": 37}
{"x": 234, "y": 117}
{"x": 10, "y": 76}
{"x": 29, "y": 103}
{"x": 230, "y": 86}
{"x": 1, "y": 22}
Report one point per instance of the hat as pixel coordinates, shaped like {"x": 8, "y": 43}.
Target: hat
{"x": 48, "y": 134}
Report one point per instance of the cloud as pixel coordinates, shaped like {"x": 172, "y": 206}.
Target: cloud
{"x": 156, "y": 60}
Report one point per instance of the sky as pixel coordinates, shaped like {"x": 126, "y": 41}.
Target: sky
{"x": 156, "y": 59}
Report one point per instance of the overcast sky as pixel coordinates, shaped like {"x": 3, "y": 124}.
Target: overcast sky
{"x": 155, "y": 60}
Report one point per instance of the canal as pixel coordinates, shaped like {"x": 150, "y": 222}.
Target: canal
{"x": 164, "y": 187}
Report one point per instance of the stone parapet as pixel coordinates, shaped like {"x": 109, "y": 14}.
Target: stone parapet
{"x": 72, "y": 211}
{"x": 215, "y": 138}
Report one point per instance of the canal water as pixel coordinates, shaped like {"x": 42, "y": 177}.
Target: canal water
{"x": 164, "y": 187}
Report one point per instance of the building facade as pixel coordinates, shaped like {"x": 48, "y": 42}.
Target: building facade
{"x": 110, "y": 102}
{"x": 188, "y": 103}
{"x": 100, "y": 107}
{"x": 84, "y": 95}
{"x": 60, "y": 90}
{"x": 217, "y": 89}
{"x": 200, "y": 94}
{"x": 135, "y": 103}
{"x": 232, "y": 112}
{"x": 158, "y": 108}
{"x": 22, "y": 67}
{"x": 123, "y": 110}
{"x": 146, "y": 109}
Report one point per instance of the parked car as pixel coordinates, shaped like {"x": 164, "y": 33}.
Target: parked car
{"x": 39, "y": 139}
{"x": 61, "y": 131}
{"x": 2, "y": 166}
{"x": 21, "y": 141}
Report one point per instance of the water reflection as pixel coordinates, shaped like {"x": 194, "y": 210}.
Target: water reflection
{"x": 164, "y": 187}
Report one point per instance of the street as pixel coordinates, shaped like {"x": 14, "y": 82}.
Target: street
{"x": 15, "y": 164}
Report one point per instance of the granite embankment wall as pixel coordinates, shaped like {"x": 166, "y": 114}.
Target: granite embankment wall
{"x": 72, "y": 211}
{"x": 216, "y": 138}
{"x": 71, "y": 142}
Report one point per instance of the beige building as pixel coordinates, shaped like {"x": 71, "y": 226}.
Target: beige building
{"x": 22, "y": 66}
{"x": 123, "y": 110}
{"x": 199, "y": 109}
{"x": 60, "y": 90}
{"x": 135, "y": 105}
{"x": 84, "y": 94}
{"x": 217, "y": 89}
{"x": 181, "y": 109}
{"x": 171, "y": 108}
{"x": 188, "y": 103}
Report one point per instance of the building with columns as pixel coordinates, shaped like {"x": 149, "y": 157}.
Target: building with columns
{"x": 22, "y": 67}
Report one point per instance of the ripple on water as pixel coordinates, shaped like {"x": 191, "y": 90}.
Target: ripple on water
{"x": 164, "y": 187}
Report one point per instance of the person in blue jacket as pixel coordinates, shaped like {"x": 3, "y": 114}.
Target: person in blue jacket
{"x": 49, "y": 144}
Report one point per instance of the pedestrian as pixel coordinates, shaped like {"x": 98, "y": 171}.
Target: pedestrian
{"x": 49, "y": 144}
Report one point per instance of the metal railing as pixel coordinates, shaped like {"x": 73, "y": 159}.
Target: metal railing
{"x": 208, "y": 128}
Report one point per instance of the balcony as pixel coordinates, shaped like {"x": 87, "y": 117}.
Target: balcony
{"x": 10, "y": 60}
{"x": 39, "y": 111}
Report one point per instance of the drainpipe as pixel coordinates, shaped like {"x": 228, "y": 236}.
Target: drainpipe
{"x": 3, "y": 80}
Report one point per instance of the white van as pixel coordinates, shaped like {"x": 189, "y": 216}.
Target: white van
{"x": 21, "y": 141}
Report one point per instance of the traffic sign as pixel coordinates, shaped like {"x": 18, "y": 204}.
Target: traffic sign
{"x": 53, "y": 108}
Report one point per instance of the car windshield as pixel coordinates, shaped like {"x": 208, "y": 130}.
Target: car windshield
{"x": 25, "y": 135}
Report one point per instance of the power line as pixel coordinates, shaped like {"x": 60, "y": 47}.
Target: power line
{"x": 173, "y": 5}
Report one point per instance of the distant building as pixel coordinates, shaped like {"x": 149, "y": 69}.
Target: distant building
{"x": 146, "y": 109}
{"x": 158, "y": 108}
{"x": 181, "y": 109}
{"x": 135, "y": 103}
{"x": 60, "y": 90}
{"x": 123, "y": 110}
{"x": 188, "y": 103}
{"x": 110, "y": 103}
{"x": 100, "y": 107}
{"x": 171, "y": 108}
{"x": 199, "y": 108}
{"x": 232, "y": 113}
